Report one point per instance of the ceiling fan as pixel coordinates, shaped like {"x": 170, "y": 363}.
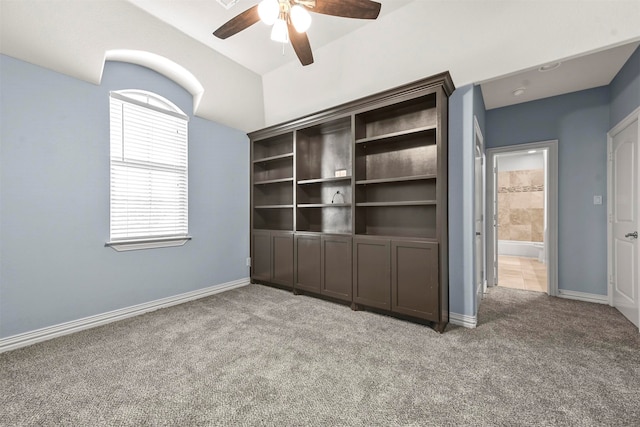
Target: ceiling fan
{"x": 291, "y": 19}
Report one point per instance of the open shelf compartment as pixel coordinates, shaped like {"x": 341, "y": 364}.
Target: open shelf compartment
{"x": 397, "y": 191}
{"x": 405, "y": 116}
{"x": 325, "y": 193}
{"x": 328, "y": 219}
{"x": 277, "y": 193}
{"x": 279, "y": 169}
{"x": 323, "y": 152}
{"x": 275, "y": 146}
{"x": 405, "y": 159}
{"x": 273, "y": 219}
{"x": 398, "y": 221}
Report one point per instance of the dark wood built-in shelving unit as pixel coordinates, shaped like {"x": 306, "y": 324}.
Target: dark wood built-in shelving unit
{"x": 350, "y": 204}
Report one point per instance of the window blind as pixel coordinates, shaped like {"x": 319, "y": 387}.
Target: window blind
{"x": 149, "y": 176}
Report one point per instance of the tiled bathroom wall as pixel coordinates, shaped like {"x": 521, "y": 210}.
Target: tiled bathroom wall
{"x": 521, "y": 205}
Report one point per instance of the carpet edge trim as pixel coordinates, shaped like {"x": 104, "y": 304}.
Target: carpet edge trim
{"x": 463, "y": 320}
{"x": 32, "y": 337}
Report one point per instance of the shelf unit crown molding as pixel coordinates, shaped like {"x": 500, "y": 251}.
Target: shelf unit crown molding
{"x": 390, "y": 96}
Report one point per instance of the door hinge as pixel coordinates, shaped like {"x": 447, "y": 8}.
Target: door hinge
{"x": 610, "y": 156}
{"x": 610, "y": 218}
{"x": 611, "y": 278}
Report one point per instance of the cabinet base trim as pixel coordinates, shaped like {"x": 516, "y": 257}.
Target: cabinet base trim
{"x": 463, "y": 320}
{"x": 44, "y": 334}
{"x": 343, "y": 299}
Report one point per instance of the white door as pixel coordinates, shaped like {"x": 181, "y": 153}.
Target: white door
{"x": 624, "y": 222}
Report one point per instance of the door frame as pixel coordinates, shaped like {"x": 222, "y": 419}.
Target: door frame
{"x": 479, "y": 149}
{"x": 551, "y": 199}
{"x": 635, "y": 115}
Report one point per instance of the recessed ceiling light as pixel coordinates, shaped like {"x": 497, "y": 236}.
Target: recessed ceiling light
{"x": 549, "y": 67}
{"x": 519, "y": 91}
{"x": 531, "y": 151}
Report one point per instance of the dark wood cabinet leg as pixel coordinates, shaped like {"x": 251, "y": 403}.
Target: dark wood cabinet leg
{"x": 354, "y": 306}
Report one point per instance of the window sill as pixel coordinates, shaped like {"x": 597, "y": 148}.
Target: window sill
{"x": 137, "y": 244}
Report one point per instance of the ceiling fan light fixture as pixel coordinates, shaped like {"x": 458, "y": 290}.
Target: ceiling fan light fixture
{"x": 269, "y": 10}
{"x": 279, "y": 32}
{"x": 300, "y": 18}
{"x": 290, "y": 19}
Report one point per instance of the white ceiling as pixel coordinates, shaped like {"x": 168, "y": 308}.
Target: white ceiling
{"x": 248, "y": 83}
{"x": 571, "y": 75}
{"x": 252, "y": 47}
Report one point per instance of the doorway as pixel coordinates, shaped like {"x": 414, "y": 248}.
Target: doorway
{"x": 522, "y": 239}
{"x": 479, "y": 214}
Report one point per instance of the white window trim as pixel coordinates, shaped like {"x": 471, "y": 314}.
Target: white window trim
{"x": 123, "y": 245}
{"x": 137, "y": 244}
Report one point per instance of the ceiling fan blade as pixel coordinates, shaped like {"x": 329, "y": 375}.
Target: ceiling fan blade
{"x": 239, "y": 23}
{"x": 301, "y": 46}
{"x": 361, "y": 9}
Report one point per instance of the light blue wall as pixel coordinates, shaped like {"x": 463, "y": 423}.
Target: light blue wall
{"x": 579, "y": 121}
{"x": 54, "y": 201}
{"x": 465, "y": 103}
{"x": 625, "y": 90}
{"x": 479, "y": 109}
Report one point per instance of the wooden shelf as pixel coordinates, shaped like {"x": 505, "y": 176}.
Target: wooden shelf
{"x": 274, "y": 207}
{"x": 396, "y": 135}
{"x": 273, "y": 181}
{"x": 273, "y": 158}
{"x": 389, "y": 222}
{"x": 404, "y": 203}
{"x": 321, "y": 180}
{"x": 398, "y": 179}
{"x": 324, "y": 205}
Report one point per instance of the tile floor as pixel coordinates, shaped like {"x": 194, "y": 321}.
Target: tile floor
{"x": 522, "y": 273}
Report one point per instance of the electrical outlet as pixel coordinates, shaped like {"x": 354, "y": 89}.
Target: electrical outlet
{"x": 248, "y": 262}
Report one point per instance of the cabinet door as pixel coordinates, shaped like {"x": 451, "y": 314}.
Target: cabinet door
{"x": 371, "y": 272}
{"x": 282, "y": 258}
{"x": 308, "y": 261}
{"x": 336, "y": 267}
{"x": 261, "y": 255}
{"x": 414, "y": 279}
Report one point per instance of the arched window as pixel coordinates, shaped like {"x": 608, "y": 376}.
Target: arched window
{"x": 149, "y": 176}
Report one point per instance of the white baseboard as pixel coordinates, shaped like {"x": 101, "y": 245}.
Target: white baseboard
{"x": 583, "y": 296}
{"x": 463, "y": 320}
{"x": 479, "y": 294}
{"x": 32, "y": 337}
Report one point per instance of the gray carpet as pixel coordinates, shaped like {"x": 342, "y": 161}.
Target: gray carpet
{"x": 262, "y": 356}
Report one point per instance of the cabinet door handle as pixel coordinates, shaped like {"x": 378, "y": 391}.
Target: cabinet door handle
{"x": 634, "y": 235}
